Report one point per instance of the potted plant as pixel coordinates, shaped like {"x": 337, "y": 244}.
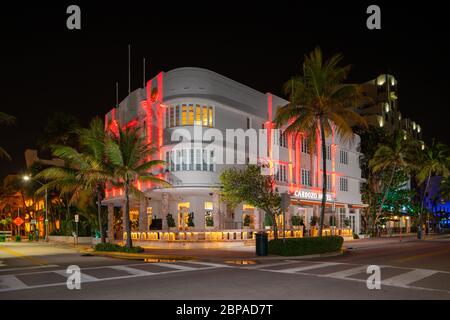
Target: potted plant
{"x": 247, "y": 221}
{"x": 170, "y": 221}
{"x": 190, "y": 221}
{"x": 209, "y": 221}
{"x": 267, "y": 221}
{"x": 296, "y": 221}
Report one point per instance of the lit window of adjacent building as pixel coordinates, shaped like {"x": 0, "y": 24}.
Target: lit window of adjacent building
{"x": 343, "y": 157}
{"x": 281, "y": 172}
{"x": 343, "y": 184}
{"x": 306, "y": 177}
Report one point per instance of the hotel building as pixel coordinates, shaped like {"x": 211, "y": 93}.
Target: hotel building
{"x": 185, "y": 98}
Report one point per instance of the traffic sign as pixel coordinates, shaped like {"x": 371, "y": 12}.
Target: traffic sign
{"x": 18, "y": 221}
{"x": 77, "y": 218}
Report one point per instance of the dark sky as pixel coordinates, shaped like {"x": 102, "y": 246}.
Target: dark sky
{"x": 47, "y": 68}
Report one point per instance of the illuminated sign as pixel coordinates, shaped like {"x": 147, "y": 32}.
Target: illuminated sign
{"x": 310, "y": 195}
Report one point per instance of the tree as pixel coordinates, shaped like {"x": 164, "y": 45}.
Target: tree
{"x": 61, "y": 129}
{"x": 85, "y": 172}
{"x": 250, "y": 186}
{"x": 320, "y": 103}
{"x": 434, "y": 161}
{"x": 394, "y": 155}
{"x": 5, "y": 119}
{"x": 128, "y": 154}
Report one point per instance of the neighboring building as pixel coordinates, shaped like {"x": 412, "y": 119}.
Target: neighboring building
{"x": 439, "y": 206}
{"x": 382, "y": 110}
{"x": 31, "y": 156}
{"x": 184, "y": 97}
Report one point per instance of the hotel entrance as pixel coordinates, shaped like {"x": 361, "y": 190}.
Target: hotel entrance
{"x": 248, "y": 216}
{"x": 183, "y": 215}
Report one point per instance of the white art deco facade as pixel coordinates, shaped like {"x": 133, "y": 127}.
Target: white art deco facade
{"x": 185, "y": 98}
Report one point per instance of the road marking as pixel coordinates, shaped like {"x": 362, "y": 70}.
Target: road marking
{"x": 10, "y": 282}
{"x": 256, "y": 266}
{"x": 210, "y": 264}
{"x": 136, "y": 272}
{"x": 174, "y": 266}
{"x": 84, "y": 277}
{"x": 21, "y": 256}
{"x": 346, "y": 273}
{"x": 30, "y": 268}
{"x": 304, "y": 268}
{"x": 407, "y": 278}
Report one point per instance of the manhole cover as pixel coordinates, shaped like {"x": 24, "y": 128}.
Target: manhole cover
{"x": 241, "y": 262}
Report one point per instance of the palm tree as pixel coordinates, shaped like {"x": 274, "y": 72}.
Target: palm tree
{"x": 5, "y": 119}
{"x": 321, "y": 103}
{"x": 129, "y": 156}
{"x": 85, "y": 173}
{"x": 434, "y": 161}
{"x": 394, "y": 155}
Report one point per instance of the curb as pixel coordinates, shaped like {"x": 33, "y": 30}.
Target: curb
{"x": 134, "y": 256}
{"x": 310, "y": 256}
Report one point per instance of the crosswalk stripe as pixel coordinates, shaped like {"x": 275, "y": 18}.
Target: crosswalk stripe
{"x": 173, "y": 266}
{"x": 10, "y": 282}
{"x": 133, "y": 271}
{"x": 346, "y": 273}
{"x": 407, "y": 278}
{"x": 30, "y": 268}
{"x": 84, "y": 277}
{"x": 304, "y": 268}
{"x": 261, "y": 266}
{"x": 209, "y": 264}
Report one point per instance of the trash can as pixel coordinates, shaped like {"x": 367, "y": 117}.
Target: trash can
{"x": 262, "y": 243}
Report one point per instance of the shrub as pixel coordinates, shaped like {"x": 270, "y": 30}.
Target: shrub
{"x": 18, "y": 238}
{"x": 296, "y": 221}
{"x": 112, "y": 247}
{"x": 267, "y": 220}
{"x": 355, "y": 236}
{"x": 190, "y": 221}
{"x": 305, "y": 246}
{"x": 2, "y": 238}
{"x": 170, "y": 220}
{"x": 247, "y": 220}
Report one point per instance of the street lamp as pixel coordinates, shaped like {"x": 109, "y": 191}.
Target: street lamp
{"x": 28, "y": 178}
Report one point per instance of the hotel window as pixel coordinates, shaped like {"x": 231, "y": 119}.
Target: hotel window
{"x": 178, "y": 160}
{"x": 198, "y": 115}
{"x": 185, "y": 160}
{"x": 171, "y": 117}
{"x": 328, "y": 182}
{"x": 189, "y": 160}
{"x": 328, "y": 152}
{"x": 248, "y": 123}
{"x": 198, "y": 158}
{"x": 177, "y": 115}
{"x": 191, "y": 115}
{"x": 305, "y": 146}
{"x": 167, "y": 113}
{"x": 343, "y": 184}
{"x": 281, "y": 172}
{"x": 184, "y": 117}
{"x": 306, "y": 177}
{"x": 205, "y": 116}
{"x": 283, "y": 139}
{"x": 210, "y": 116}
{"x": 168, "y": 160}
{"x": 343, "y": 157}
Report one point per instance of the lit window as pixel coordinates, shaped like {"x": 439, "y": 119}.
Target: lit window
{"x": 171, "y": 116}
{"x": 205, "y": 116}
{"x": 306, "y": 177}
{"x": 184, "y": 118}
{"x": 210, "y": 116}
{"x": 198, "y": 115}
{"x": 177, "y": 115}
{"x": 191, "y": 115}
{"x": 208, "y": 205}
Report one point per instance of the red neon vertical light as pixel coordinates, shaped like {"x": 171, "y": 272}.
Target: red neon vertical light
{"x": 159, "y": 79}
{"x": 297, "y": 158}
{"x": 269, "y": 130}
{"x": 319, "y": 149}
{"x": 333, "y": 162}
{"x": 291, "y": 185}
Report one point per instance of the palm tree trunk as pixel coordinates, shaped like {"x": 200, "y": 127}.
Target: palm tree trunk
{"x": 421, "y": 205}
{"x": 129, "y": 243}
{"x": 384, "y": 196}
{"x": 324, "y": 177}
{"x": 275, "y": 226}
{"x": 99, "y": 213}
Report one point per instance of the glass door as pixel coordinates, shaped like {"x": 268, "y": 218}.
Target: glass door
{"x": 183, "y": 215}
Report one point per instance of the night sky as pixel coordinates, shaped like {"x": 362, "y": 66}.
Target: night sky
{"x": 45, "y": 67}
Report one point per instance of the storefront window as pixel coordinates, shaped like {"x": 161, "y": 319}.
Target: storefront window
{"x": 183, "y": 215}
{"x": 149, "y": 217}
{"x": 209, "y": 222}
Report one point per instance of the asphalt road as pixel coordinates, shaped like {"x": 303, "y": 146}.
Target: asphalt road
{"x": 409, "y": 270}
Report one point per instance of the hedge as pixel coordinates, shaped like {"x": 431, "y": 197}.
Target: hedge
{"x": 116, "y": 248}
{"x": 305, "y": 246}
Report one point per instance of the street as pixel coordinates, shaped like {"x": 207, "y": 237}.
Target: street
{"x": 410, "y": 269}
